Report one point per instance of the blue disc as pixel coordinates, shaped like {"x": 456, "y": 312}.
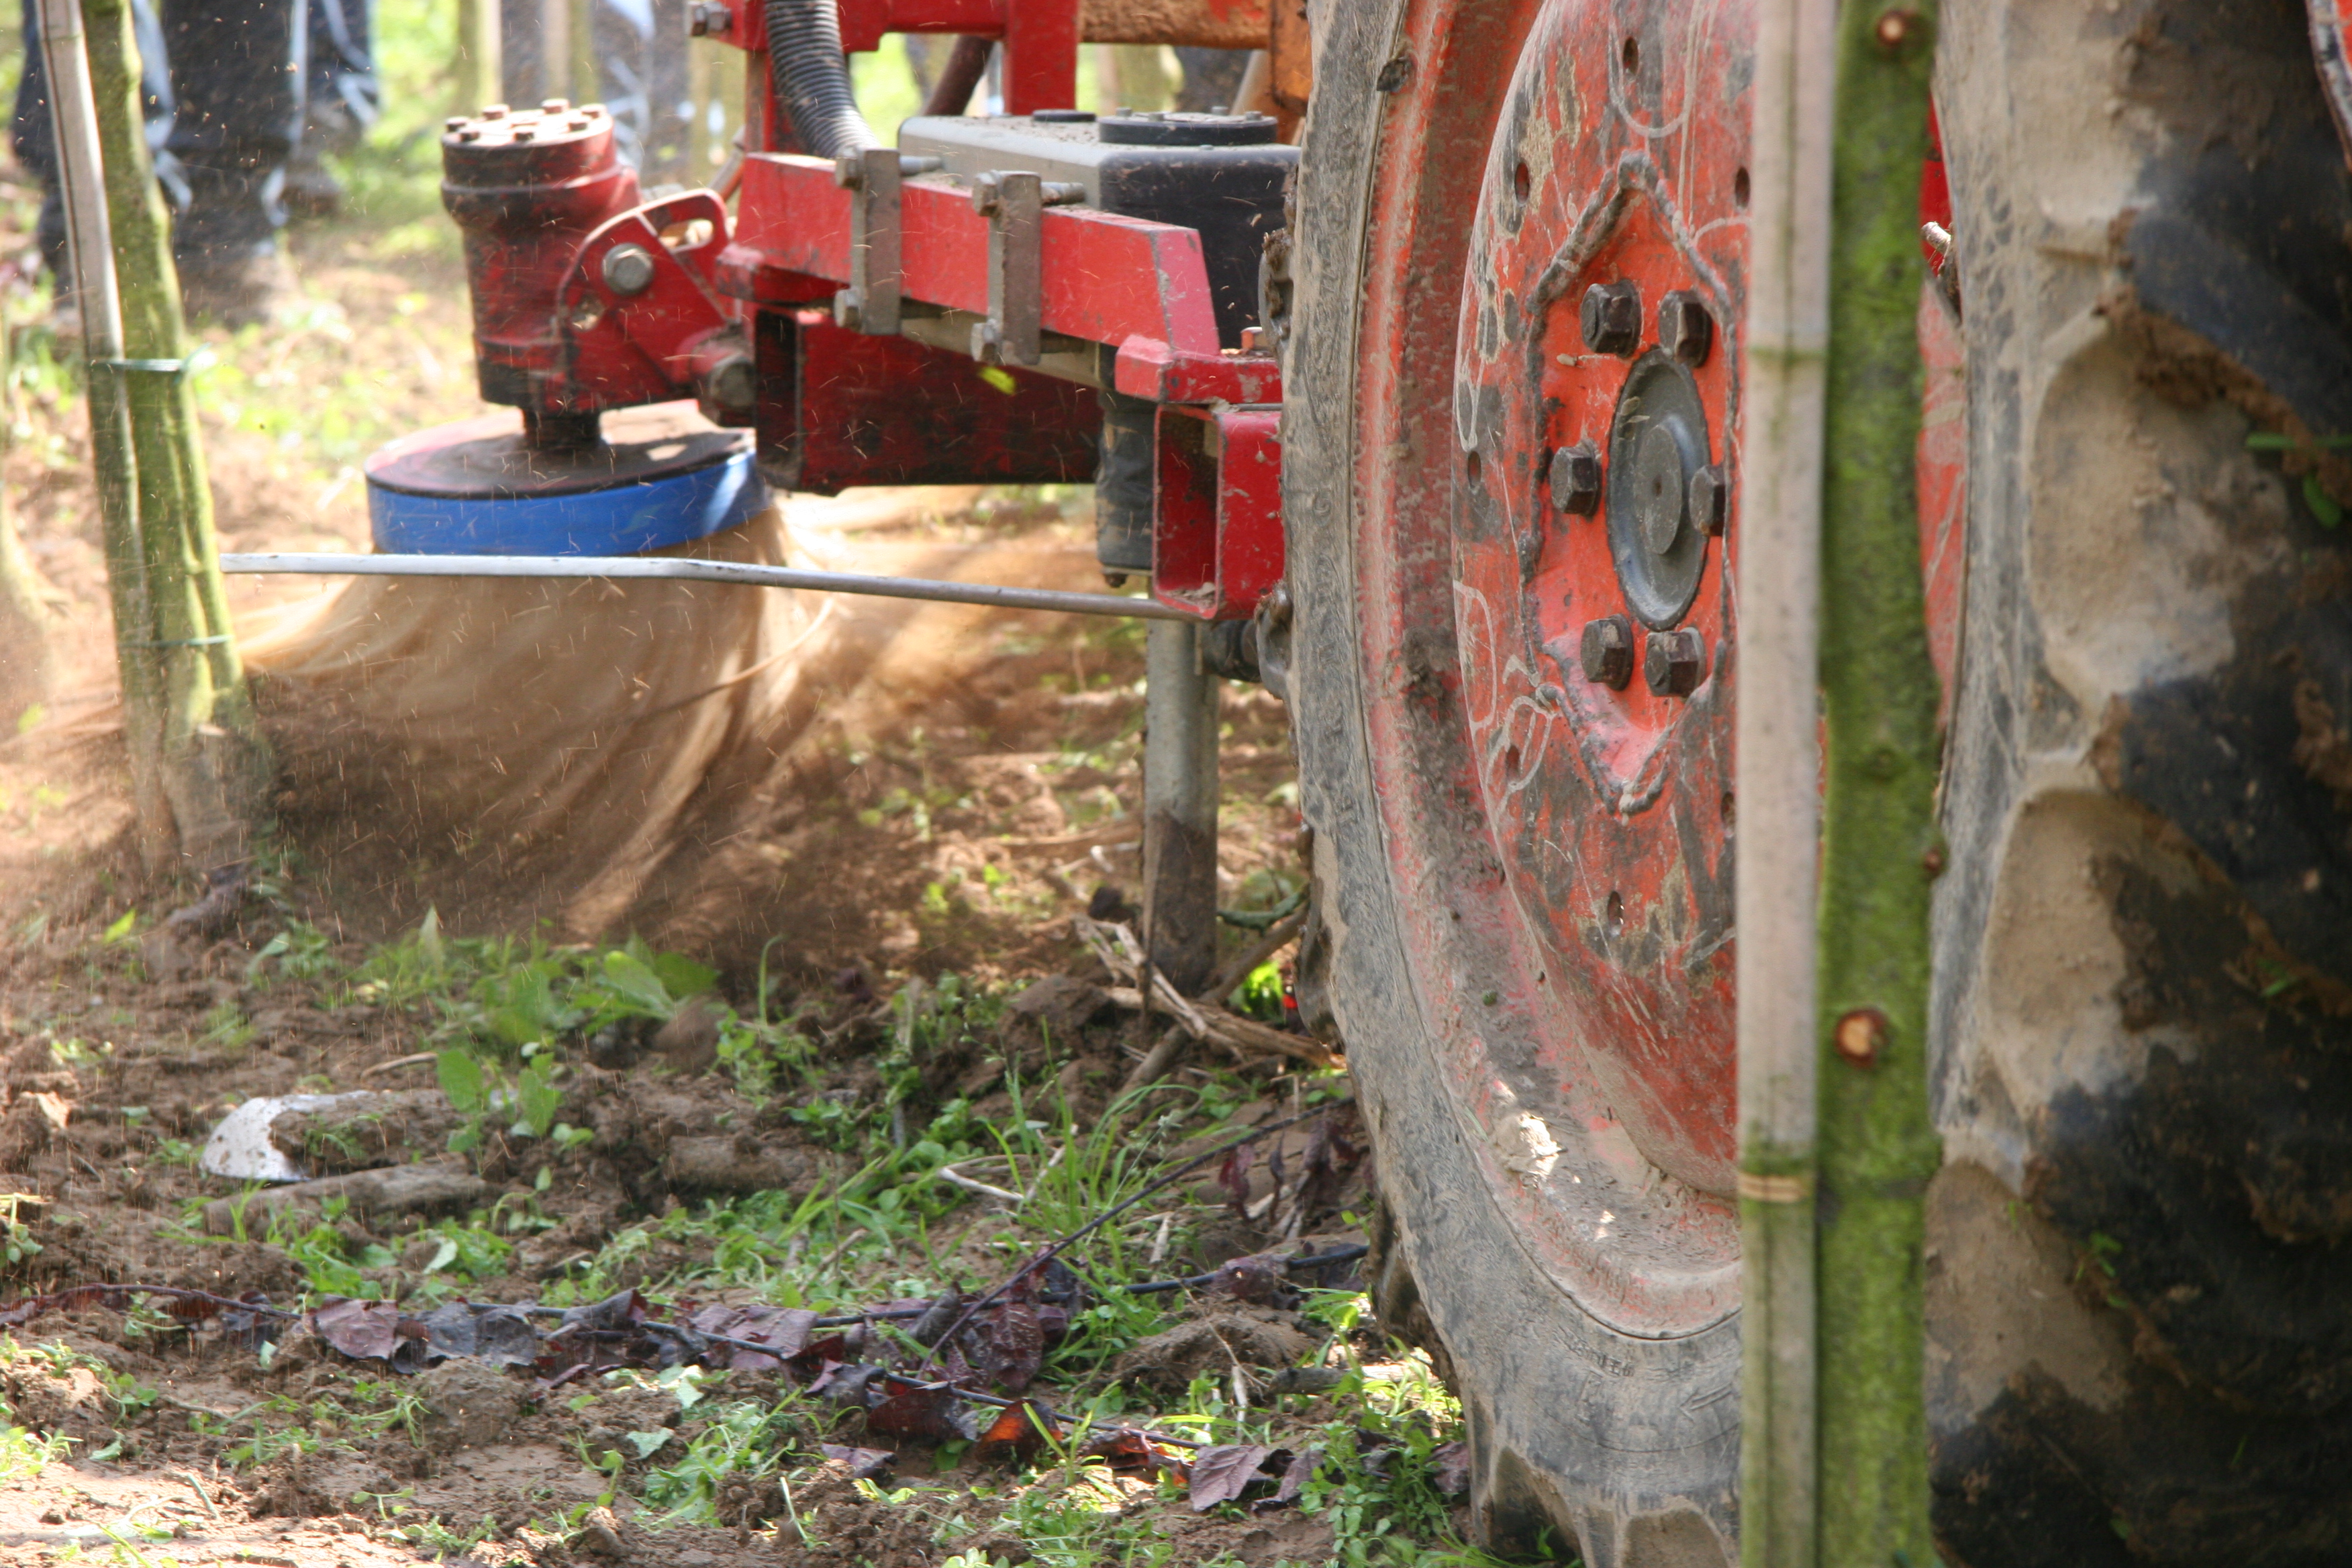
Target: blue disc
{"x": 662, "y": 476}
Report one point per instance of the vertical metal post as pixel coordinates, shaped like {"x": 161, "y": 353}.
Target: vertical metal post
{"x": 1180, "y": 806}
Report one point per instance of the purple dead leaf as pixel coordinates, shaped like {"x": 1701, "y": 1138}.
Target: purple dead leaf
{"x": 865, "y": 1464}
{"x": 1450, "y": 1469}
{"x": 367, "y": 1329}
{"x": 1232, "y": 1176}
{"x": 1222, "y": 1472}
{"x": 1294, "y": 1475}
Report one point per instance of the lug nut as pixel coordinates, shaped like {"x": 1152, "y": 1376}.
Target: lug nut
{"x": 1673, "y": 663}
{"x": 455, "y": 122}
{"x": 1576, "y": 480}
{"x": 555, "y": 106}
{"x": 1612, "y": 318}
{"x": 1684, "y": 329}
{"x": 628, "y": 270}
{"x": 494, "y": 111}
{"x": 1710, "y": 498}
{"x": 1607, "y": 651}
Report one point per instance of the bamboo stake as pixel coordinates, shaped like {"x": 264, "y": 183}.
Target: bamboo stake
{"x": 91, "y": 249}
{"x": 478, "y": 64}
{"x": 213, "y": 762}
{"x": 1778, "y": 779}
{"x": 1878, "y": 1146}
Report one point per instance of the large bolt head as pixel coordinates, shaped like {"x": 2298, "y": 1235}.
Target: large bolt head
{"x": 1673, "y": 663}
{"x": 1684, "y": 329}
{"x": 1576, "y": 480}
{"x": 1612, "y": 318}
{"x": 849, "y": 310}
{"x": 1606, "y": 651}
{"x": 1710, "y": 498}
{"x": 628, "y": 270}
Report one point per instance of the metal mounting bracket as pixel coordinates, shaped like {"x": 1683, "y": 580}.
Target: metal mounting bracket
{"x": 1014, "y": 203}
{"x": 873, "y": 178}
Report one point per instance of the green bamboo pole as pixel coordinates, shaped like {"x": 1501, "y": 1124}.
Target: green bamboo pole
{"x": 213, "y": 759}
{"x": 1877, "y": 1146}
{"x": 91, "y": 250}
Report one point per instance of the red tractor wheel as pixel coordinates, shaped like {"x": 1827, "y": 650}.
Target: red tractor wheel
{"x": 1512, "y": 458}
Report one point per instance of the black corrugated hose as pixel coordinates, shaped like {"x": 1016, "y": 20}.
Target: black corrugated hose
{"x": 812, "y": 80}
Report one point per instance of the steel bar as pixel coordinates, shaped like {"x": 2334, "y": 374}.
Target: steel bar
{"x": 1179, "y": 808}
{"x": 671, "y": 568}
{"x": 1779, "y": 777}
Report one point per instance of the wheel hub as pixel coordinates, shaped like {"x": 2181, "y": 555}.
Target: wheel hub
{"x": 1657, "y": 442}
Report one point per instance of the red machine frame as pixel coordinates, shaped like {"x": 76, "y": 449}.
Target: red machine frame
{"x": 745, "y": 310}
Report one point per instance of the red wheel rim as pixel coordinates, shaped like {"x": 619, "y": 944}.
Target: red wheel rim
{"x": 1589, "y": 1057}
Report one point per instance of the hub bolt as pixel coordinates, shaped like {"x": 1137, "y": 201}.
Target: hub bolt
{"x": 1674, "y": 662}
{"x": 1710, "y": 498}
{"x": 628, "y": 270}
{"x": 1612, "y": 318}
{"x": 1607, "y": 652}
{"x": 1684, "y": 329}
{"x": 1576, "y": 480}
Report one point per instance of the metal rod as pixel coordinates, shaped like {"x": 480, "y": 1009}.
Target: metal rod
{"x": 1179, "y": 808}
{"x": 1778, "y": 778}
{"x": 674, "y": 569}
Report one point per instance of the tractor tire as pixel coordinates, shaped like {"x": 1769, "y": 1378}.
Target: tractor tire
{"x": 2140, "y": 1343}
{"x": 1599, "y": 1385}
{"x": 2138, "y": 1288}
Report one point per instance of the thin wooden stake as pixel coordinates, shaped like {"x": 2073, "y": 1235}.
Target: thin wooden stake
{"x": 1779, "y": 785}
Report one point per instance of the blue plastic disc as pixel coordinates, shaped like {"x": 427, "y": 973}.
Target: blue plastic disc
{"x": 663, "y": 476}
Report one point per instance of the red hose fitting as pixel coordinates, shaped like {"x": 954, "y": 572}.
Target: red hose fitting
{"x": 528, "y": 186}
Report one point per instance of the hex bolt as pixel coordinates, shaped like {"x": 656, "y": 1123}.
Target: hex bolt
{"x": 555, "y": 106}
{"x": 1278, "y": 606}
{"x": 848, "y": 172}
{"x": 1710, "y": 498}
{"x": 1606, "y": 651}
{"x": 1684, "y": 329}
{"x": 1612, "y": 318}
{"x": 849, "y": 310}
{"x": 628, "y": 270}
{"x": 1576, "y": 480}
{"x": 1674, "y": 662}
{"x": 494, "y": 111}
{"x": 984, "y": 189}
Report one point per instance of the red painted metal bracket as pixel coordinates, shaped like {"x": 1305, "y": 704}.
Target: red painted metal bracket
{"x": 672, "y": 334}
{"x": 1040, "y": 37}
{"x": 1103, "y": 278}
{"x": 1216, "y": 519}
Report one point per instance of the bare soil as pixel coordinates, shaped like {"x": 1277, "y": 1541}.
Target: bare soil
{"x": 964, "y": 791}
